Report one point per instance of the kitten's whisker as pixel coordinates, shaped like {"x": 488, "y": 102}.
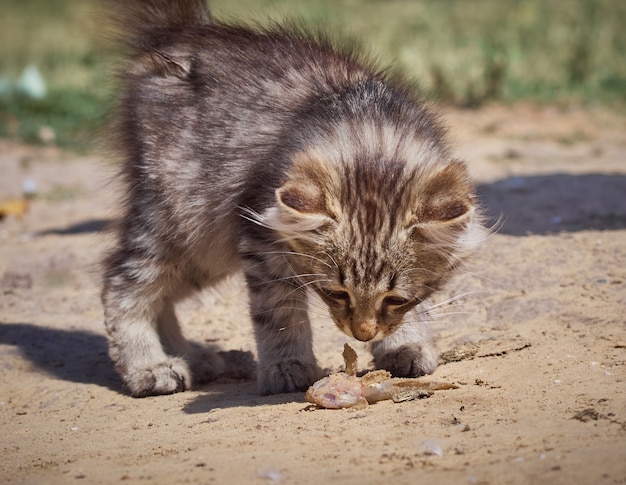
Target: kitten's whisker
{"x": 292, "y": 325}
{"x": 321, "y": 308}
{"x": 443, "y": 323}
{"x": 308, "y": 304}
{"x": 296, "y": 253}
{"x": 285, "y": 308}
{"x": 330, "y": 257}
{"x": 253, "y": 216}
{"x": 455, "y": 298}
{"x": 452, "y": 313}
{"x": 423, "y": 270}
{"x": 482, "y": 277}
{"x": 442, "y": 307}
{"x": 440, "y": 318}
{"x": 304, "y": 285}
{"x": 295, "y": 277}
{"x": 302, "y": 288}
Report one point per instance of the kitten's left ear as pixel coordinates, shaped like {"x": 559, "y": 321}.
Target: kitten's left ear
{"x": 448, "y": 212}
{"x": 447, "y": 196}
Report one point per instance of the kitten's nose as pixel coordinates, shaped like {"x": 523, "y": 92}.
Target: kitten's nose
{"x": 364, "y": 330}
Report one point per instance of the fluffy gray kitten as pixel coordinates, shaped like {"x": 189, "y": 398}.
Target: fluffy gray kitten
{"x": 283, "y": 155}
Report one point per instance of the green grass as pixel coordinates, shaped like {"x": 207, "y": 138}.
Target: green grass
{"x": 59, "y": 38}
{"x": 463, "y": 52}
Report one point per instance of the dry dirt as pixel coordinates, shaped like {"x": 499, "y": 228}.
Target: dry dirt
{"x": 537, "y": 343}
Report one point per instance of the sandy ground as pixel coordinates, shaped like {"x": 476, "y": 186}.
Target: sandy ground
{"x": 542, "y": 381}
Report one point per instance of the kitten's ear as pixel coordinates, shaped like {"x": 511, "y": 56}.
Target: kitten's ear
{"x": 304, "y": 202}
{"x": 447, "y": 197}
{"x": 300, "y": 209}
{"x": 310, "y": 188}
{"x": 300, "y": 198}
{"x": 447, "y": 213}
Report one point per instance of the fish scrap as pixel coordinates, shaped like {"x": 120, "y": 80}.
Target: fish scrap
{"x": 347, "y": 390}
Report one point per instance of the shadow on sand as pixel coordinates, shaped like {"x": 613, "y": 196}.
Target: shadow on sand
{"x": 238, "y": 394}
{"x": 71, "y": 355}
{"x": 81, "y": 356}
{"x": 546, "y": 204}
{"x": 85, "y": 227}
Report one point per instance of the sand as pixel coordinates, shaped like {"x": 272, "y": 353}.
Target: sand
{"x": 536, "y": 343}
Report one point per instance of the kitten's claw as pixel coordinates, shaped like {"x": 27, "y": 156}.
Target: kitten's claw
{"x": 165, "y": 378}
{"x": 287, "y": 376}
{"x": 412, "y": 360}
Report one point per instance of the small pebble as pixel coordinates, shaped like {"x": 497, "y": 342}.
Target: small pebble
{"x": 431, "y": 447}
{"x": 271, "y": 474}
{"x": 29, "y": 187}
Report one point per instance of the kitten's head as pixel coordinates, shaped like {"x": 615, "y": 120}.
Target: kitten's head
{"x": 376, "y": 236}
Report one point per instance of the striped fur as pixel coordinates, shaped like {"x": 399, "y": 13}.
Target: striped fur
{"x": 282, "y": 154}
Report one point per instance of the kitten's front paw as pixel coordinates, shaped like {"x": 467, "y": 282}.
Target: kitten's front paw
{"x": 287, "y": 376}
{"x": 164, "y": 378}
{"x": 412, "y": 360}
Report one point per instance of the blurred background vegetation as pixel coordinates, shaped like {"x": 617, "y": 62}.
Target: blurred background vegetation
{"x": 55, "y": 67}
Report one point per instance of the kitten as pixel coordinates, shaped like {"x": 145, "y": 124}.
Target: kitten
{"x": 283, "y": 155}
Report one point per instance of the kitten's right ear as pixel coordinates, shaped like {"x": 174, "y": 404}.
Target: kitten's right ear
{"x": 305, "y": 201}
{"x": 310, "y": 187}
{"x": 299, "y": 210}
{"x": 300, "y": 198}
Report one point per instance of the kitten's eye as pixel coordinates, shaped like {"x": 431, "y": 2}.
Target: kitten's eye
{"x": 395, "y": 301}
{"x": 337, "y": 295}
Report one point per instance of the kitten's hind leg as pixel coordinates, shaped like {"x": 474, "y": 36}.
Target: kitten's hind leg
{"x": 410, "y": 351}
{"x": 205, "y": 363}
{"x": 132, "y": 298}
{"x": 283, "y": 334}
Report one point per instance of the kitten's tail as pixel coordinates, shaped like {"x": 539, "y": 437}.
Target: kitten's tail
{"x": 136, "y": 18}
